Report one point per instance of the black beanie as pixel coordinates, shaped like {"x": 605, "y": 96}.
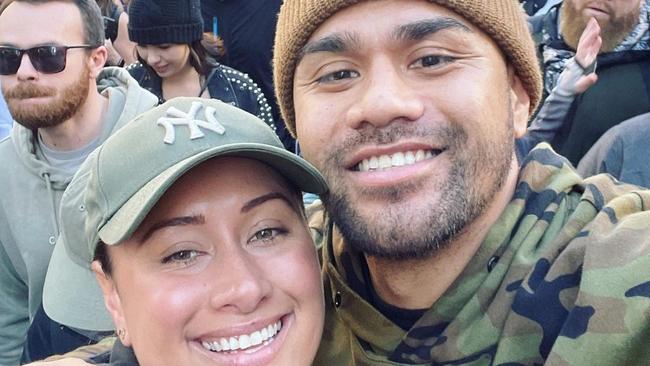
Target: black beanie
{"x": 165, "y": 21}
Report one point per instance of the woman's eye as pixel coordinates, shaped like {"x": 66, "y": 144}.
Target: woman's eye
{"x": 182, "y": 256}
{"x": 432, "y": 61}
{"x": 338, "y": 75}
{"x": 265, "y": 235}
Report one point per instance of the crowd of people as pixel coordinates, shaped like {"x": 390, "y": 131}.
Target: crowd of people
{"x": 298, "y": 182}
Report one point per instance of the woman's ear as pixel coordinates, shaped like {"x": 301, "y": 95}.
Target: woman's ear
{"x": 112, "y": 302}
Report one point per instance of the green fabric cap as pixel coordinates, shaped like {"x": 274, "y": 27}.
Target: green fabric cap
{"x": 121, "y": 181}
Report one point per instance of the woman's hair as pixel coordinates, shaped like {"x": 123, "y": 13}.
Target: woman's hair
{"x": 198, "y": 58}
{"x": 101, "y": 255}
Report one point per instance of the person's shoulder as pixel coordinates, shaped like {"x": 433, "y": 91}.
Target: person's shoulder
{"x": 8, "y": 154}
{"x": 613, "y": 218}
{"x": 235, "y": 76}
{"x": 137, "y": 70}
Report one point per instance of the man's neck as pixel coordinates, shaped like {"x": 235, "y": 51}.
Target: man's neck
{"x": 401, "y": 283}
{"x": 79, "y": 130}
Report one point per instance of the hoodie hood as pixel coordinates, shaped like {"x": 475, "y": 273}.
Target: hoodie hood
{"x": 126, "y": 97}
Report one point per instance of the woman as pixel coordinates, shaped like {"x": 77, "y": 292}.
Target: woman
{"x": 203, "y": 255}
{"x": 173, "y": 62}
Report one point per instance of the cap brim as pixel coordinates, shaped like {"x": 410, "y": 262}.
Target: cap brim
{"x": 67, "y": 282}
{"x": 126, "y": 220}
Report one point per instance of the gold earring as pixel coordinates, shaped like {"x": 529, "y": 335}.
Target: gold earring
{"x": 121, "y": 333}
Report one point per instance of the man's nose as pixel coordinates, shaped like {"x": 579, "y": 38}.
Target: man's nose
{"x": 26, "y": 70}
{"x": 387, "y": 96}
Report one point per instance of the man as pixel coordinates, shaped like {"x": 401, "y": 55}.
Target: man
{"x": 438, "y": 248}
{"x": 64, "y": 105}
{"x": 623, "y": 66}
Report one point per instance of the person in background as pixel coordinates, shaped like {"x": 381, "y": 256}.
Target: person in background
{"x": 246, "y": 30}
{"x": 213, "y": 238}
{"x": 578, "y": 76}
{"x": 121, "y": 48}
{"x": 173, "y": 62}
{"x": 623, "y": 64}
{"x": 622, "y": 152}
{"x": 64, "y": 104}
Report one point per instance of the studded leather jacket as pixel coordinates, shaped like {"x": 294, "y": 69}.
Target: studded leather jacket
{"x": 223, "y": 83}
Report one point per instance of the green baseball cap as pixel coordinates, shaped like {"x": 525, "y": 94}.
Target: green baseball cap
{"x": 121, "y": 181}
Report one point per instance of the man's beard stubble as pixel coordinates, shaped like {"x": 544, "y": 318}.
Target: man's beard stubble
{"x": 401, "y": 233}
{"x": 572, "y": 24}
{"x": 66, "y": 103}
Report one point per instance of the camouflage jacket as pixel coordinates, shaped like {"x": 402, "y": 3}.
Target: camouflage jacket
{"x": 563, "y": 277}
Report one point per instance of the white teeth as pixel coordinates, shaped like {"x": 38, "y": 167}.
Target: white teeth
{"x": 256, "y": 338}
{"x": 373, "y": 163}
{"x": 419, "y": 155}
{"x": 398, "y": 159}
{"x": 225, "y": 345}
{"x": 383, "y": 162}
{"x": 244, "y": 341}
{"x": 409, "y": 158}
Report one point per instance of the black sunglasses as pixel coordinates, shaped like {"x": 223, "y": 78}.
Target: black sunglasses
{"x": 45, "y": 59}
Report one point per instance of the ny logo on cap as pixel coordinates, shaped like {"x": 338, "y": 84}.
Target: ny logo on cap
{"x": 176, "y": 117}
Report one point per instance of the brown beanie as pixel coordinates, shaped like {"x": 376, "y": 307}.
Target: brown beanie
{"x": 503, "y": 20}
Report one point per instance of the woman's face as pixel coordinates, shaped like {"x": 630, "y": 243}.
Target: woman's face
{"x": 222, "y": 271}
{"x": 165, "y": 59}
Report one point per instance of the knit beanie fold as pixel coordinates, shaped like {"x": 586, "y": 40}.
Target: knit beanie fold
{"x": 153, "y": 22}
{"x": 503, "y": 20}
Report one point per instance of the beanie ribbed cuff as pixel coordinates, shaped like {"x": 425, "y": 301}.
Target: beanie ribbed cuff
{"x": 177, "y": 33}
{"x": 502, "y": 20}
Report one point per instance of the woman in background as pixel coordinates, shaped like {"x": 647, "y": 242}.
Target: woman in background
{"x": 173, "y": 62}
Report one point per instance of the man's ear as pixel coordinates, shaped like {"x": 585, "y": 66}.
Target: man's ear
{"x": 112, "y": 301}
{"x": 519, "y": 102}
{"x": 97, "y": 60}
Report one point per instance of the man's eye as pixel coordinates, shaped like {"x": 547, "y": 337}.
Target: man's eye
{"x": 432, "y": 61}
{"x": 182, "y": 256}
{"x": 338, "y": 75}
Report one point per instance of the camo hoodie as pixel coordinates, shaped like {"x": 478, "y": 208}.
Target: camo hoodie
{"x": 562, "y": 278}
{"x": 30, "y": 192}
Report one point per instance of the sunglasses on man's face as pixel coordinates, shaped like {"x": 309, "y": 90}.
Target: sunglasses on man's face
{"x": 45, "y": 59}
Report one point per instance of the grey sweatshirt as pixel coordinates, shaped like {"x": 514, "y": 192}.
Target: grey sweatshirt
{"x": 30, "y": 192}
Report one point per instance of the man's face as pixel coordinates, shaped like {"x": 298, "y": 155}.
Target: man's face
{"x": 409, "y": 115}
{"x": 616, "y": 18}
{"x": 37, "y": 99}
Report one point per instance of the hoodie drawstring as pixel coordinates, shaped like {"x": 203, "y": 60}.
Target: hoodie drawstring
{"x": 55, "y": 221}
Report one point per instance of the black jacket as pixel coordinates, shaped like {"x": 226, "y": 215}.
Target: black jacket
{"x": 223, "y": 83}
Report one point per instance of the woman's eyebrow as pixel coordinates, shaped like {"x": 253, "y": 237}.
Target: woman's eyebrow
{"x": 264, "y": 198}
{"x": 174, "y": 221}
